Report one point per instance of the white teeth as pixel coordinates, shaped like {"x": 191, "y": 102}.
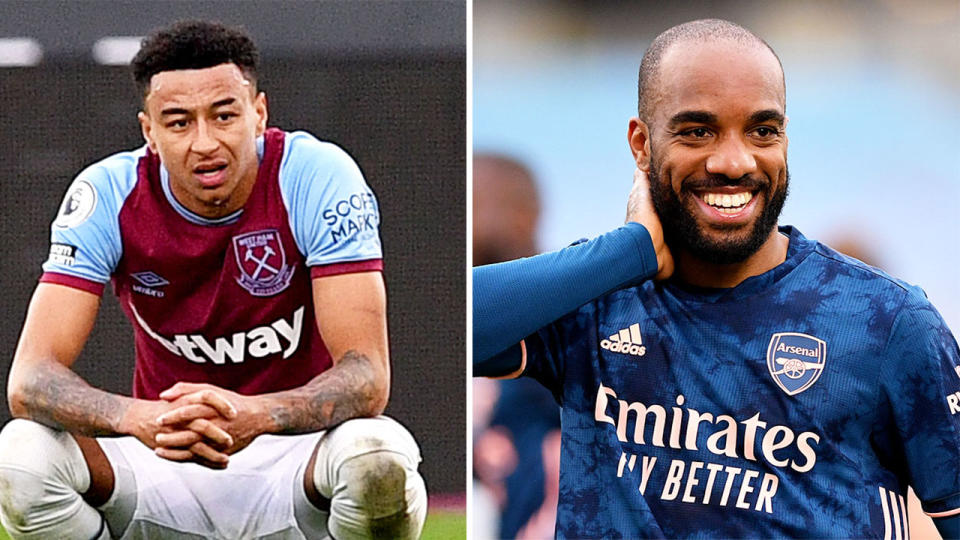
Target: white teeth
{"x": 726, "y": 200}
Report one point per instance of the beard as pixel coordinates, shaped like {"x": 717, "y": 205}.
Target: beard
{"x": 682, "y": 231}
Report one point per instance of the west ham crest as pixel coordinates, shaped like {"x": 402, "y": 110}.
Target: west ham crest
{"x": 262, "y": 262}
{"x": 795, "y": 360}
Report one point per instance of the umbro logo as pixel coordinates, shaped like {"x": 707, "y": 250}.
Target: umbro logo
{"x": 151, "y": 281}
{"x": 626, "y": 341}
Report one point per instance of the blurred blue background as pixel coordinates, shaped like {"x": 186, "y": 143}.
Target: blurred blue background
{"x": 872, "y": 97}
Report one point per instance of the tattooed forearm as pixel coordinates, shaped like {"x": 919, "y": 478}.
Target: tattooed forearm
{"x": 356, "y": 386}
{"x": 54, "y": 395}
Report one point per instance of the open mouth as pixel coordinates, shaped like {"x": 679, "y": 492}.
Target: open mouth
{"x": 727, "y": 203}
{"x": 211, "y": 175}
{"x": 210, "y": 170}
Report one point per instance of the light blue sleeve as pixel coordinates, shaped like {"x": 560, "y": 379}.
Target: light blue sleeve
{"x": 85, "y": 236}
{"x": 333, "y": 214}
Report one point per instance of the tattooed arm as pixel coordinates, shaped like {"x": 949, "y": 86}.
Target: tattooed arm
{"x": 355, "y": 387}
{"x": 351, "y": 316}
{"x": 42, "y": 386}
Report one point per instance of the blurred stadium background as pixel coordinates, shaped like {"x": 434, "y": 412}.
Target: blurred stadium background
{"x": 385, "y": 80}
{"x": 871, "y": 94}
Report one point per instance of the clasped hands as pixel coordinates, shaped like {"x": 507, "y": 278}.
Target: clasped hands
{"x": 195, "y": 422}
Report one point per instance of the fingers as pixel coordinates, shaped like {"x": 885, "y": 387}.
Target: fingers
{"x": 178, "y": 439}
{"x": 212, "y": 432}
{"x": 182, "y": 388}
{"x": 201, "y": 393}
{"x": 205, "y": 396}
{"x": 185, "y": 414}
{"x": 198, "y": 452}
{"x": 201, "y": 428}
{"x": 640, "y": 209}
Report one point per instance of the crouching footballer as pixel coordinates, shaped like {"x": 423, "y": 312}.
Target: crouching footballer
{"x": 248, "y": 261}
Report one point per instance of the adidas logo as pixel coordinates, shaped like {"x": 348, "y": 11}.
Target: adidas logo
{"x": 626, "y": 341}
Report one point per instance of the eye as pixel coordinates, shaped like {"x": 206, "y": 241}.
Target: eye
{"x": 179, "y": 123}
{"x": 766, "y": 132}
{"x": 225, "y": 116}
{"x": 697, "y": 133}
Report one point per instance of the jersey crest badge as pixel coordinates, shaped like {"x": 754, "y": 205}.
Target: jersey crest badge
{"x": 262, "y": 262}
{"x": 795, "y": 360}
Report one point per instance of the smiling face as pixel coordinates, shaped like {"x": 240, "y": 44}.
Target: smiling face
{"x": 204, "y": 123}
{"x": 715, "y": 148}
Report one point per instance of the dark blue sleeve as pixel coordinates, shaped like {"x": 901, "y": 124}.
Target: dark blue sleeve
{"x": 921, "y": 377}
{"x": 949, "y": 527}
{"x": 514, "y": 299}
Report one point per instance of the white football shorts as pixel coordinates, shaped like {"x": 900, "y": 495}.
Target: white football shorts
{"x": 258, "y": 496}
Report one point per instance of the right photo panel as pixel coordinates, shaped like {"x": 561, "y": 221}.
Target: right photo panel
{"x": 714, "y": 270}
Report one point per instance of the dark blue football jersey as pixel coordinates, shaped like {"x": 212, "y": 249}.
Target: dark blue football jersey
{"x": 800, "y": 403}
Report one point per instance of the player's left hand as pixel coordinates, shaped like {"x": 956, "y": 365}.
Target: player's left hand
{"x": 243, "y": 426}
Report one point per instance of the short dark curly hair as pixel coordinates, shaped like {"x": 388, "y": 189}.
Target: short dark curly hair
{"x": 194, "y": 44}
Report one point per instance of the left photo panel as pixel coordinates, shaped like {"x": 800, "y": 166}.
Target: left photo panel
{"x": 234, "y": 272}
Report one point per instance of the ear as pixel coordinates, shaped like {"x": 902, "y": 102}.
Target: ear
{"x": 638, "y": 135}
{"x": 145, "y": 128}
{"x": 260, "y": 106}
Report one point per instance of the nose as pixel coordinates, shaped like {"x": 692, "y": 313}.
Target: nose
{"x": 731, "y": 158}
{"x": 203, "y": 140}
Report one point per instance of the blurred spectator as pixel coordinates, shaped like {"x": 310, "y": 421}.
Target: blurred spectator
{"x": 516, "y": 456}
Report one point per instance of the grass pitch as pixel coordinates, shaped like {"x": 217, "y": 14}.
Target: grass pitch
{"x": 444, "y": 525}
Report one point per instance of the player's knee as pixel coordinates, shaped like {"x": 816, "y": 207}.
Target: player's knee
{"x": 379, "y": 496}
{"x": 375, "y": 482}
{"x": 42, "y": 473}
{"x": 377, "y": 491}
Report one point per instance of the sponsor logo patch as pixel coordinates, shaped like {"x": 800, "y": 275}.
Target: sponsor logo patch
{"x": 356, "y": 216}
{"x": 63, "y": 254}
{"x": 235, "y": 348}
{"x": 262, "y": 262}
{"x": 77, "y": 206}
{"x": 795, "y": 360}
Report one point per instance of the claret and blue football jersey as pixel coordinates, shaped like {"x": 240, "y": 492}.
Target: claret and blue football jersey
{"x": 800, "y": 403}
{"x": 225, "y": 301}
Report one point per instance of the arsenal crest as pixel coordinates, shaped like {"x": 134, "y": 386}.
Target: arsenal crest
{"x": 262, "y": 262}
{"x": 795, "y": 360}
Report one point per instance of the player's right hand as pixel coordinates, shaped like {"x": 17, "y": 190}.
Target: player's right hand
{"x": 640, "y": 209}
{"x": 198, "y": 439}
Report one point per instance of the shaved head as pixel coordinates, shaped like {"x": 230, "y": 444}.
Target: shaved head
{"x": 695, "y": 32}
